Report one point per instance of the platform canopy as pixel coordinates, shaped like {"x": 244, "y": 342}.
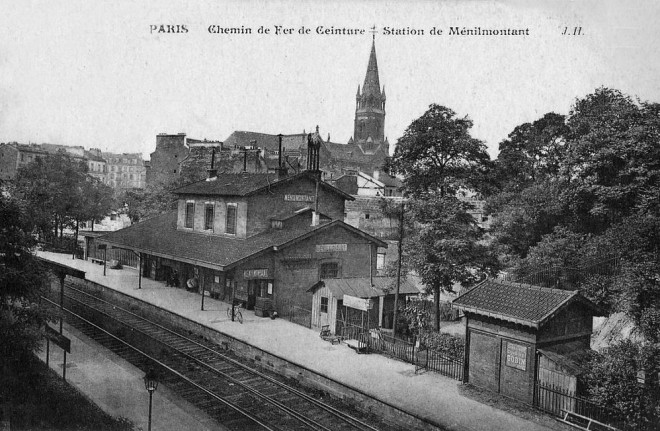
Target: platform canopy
{"x": 61, "y": 269}
{"x": 365, "y": 287}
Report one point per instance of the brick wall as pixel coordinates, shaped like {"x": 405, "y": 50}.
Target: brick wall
{"x": 365, "y": 213}
{"x": 165, "y": 161}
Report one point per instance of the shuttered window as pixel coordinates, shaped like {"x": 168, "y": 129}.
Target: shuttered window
{"x": 208, "y": 216}
{"x": 231, "y": 219}
{"x": 190, "y": 214}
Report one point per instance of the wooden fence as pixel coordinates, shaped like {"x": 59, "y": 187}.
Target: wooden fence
{"x": 298, "y": 315}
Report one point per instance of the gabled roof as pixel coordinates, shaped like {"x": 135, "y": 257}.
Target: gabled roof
{"x": 519, "y": 303}
{"x": 247, "y": 184}
{"x": 160, "y": 237}
{"x": 364, "y": 287}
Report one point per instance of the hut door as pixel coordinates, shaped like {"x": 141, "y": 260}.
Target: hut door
{"x": 324, "y": 310}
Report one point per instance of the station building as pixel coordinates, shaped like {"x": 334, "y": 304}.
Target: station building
{"x": 263, "y": 239}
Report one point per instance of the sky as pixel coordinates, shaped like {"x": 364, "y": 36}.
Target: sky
{"x": 95, "y": 74}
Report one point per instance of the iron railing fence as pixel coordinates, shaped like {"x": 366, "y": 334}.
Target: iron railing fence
{"x": 557, "y": 401}
{"x": 564, "y": 277}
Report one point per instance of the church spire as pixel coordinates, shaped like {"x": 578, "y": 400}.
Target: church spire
{"x": 371, "y": 81}
{"x": 370, "y": 106}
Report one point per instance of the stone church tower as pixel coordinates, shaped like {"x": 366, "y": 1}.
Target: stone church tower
{"x": 369, "y": 131}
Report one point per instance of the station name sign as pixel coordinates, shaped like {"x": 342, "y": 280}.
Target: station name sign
{"x": 516, "y": 356}
{"x": 328, "y": 248}
{"x": 363, "y": 304}
{"x": 58, "y": 339}
{"x": 299, "y": 198}
{"x": 255, "y": 273}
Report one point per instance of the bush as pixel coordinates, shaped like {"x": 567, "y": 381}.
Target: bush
{"x": 444, "y": 344}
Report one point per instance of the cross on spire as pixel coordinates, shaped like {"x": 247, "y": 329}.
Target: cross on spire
{"x": 373, "y": 32}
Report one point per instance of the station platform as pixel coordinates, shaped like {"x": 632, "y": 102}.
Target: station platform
{"x": 116, "y": 386}
{"x": 429, "y": 395}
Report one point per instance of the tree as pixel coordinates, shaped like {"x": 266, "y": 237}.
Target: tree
{"x": 436, "y": 152}
{"x": 532, "y": 153}
{"x": 612, "y": 380}
{"x": 155, "y": 199}
{"x": 438, "y": 159}
{"x": 60, "y": 194}
{"x": 612, "y": 157}
{"x": 446, "y": 247}
{"x": 22, "y": 281}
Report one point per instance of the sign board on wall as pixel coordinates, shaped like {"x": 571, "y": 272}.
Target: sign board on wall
{"x": 516, "y": 356}
{"x": 363, "y": 304}
{"x": 328, "y": 248}
{"x": 299, "y": 198}
{"x": 255, "y": 273}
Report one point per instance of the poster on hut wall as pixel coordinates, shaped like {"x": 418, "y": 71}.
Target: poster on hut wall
{"x": 150, "y": 95}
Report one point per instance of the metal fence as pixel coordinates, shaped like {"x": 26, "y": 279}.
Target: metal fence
{"x": 125, "y": 257}
{"x": 436, "y": 361}
{"x": 557, "y": 400}
{"x": 564, "y": 277}
{"x": 390, "y": 346}
{"x": 405, "y": 350}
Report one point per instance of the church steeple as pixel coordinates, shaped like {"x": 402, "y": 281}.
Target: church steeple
{"x": 370, "y": 105}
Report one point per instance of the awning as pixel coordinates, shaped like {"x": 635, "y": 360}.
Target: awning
{"x": 364, "y": 287}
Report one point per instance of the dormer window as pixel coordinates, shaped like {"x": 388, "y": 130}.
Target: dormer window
{"x": 190, "y": 214}
{"x": 231, "y": 219}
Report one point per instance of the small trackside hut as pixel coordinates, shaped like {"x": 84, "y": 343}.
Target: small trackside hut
{"x": 515, "y": 333}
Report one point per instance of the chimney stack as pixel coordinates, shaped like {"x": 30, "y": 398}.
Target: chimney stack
{"x": 212, "y": 172}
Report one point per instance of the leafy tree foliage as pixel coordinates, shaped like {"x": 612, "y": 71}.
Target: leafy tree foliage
{"x": 446, "y": 246}
{"x": 438, "y": 158}
{"x": 532, "y": 153}
{"x": 436, "y": 152}
{"x": 22, "y": 280}
{"x": 155, "y": 199}
{"x": 60, "y": 194}
{"x": 612, "y": 380}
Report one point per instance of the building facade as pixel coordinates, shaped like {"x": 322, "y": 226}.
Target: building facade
{"x": 261, "y": 239}
{"x": 125, "y": 170}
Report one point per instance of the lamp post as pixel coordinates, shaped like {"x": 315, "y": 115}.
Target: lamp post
{"x": 150, "y": 384}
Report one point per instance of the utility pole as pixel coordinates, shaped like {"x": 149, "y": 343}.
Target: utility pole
{"x": 398, "y": 268}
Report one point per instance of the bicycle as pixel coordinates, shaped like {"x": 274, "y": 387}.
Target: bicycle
{"x": 236, "y": 311}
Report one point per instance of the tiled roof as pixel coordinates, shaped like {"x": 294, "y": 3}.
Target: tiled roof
{"x": 362, "y": 287}
{"x": 159, "y": 236}
{"x": 265, "y": 140}
{"x": 230, "y": 184}
{"x": 519, "y": 303}
{"x": 244, "y": 184}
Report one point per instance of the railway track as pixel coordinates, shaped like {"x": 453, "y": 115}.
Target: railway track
{"x": 205, "y": 374}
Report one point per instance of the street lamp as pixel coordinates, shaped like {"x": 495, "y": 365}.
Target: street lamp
{"x": 150, "y": 384}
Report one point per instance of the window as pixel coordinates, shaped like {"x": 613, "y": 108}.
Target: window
{"x": 366, "y": 216}
{"x": 324, "y": 304}
{"x": 208, "y": 216}
{"x": 231, "y": 219}
{"x": 190, "y": 214}
{"x": 380, "y": 261}
{"x": 329, "y": 270}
